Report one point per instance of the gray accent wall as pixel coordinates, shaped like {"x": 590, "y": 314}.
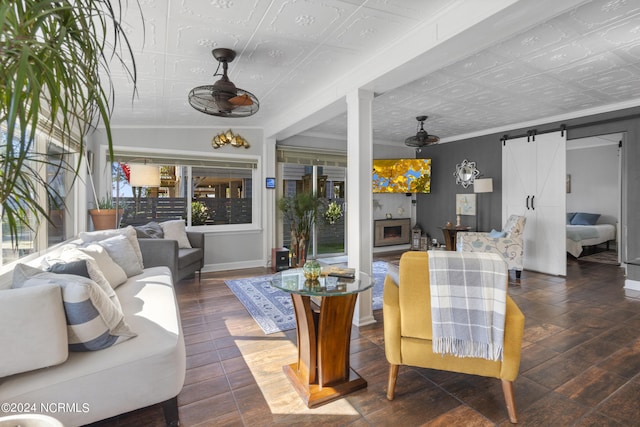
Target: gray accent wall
{"x": 435, "y": 209}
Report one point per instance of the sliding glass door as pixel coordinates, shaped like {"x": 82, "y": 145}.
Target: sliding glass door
{"x": 328, "y": 182}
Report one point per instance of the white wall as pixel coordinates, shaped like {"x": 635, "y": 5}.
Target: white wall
{"x": 398, "y": 205}
{"x": 594, "y": 180}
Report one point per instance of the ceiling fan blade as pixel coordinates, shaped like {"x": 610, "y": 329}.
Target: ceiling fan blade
{"x": 241, "y": 100}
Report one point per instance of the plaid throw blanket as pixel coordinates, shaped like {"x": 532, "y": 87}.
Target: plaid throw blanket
{"x": 468, "y": 303}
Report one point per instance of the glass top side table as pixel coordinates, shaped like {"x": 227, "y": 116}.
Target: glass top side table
{"x": 322, "y": 373}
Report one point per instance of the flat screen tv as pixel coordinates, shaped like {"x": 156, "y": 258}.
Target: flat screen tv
{"x": 402, "y": 176}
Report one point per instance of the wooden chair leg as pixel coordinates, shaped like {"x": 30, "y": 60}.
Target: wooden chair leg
{"x": 393, "y": 377}
{"x": 507, "y": 389}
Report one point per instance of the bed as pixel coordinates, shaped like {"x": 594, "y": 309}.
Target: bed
{"x": 585, "y": 229}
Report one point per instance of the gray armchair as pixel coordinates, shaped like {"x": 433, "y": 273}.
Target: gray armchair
{"x": 181, "y": 261}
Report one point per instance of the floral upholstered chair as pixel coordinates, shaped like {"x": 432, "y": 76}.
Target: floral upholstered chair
{"x": 507, "y": 243}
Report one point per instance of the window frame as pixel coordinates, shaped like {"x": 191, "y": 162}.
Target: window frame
{"x": 156, "y": 156}
{"x": 72, "y": 210}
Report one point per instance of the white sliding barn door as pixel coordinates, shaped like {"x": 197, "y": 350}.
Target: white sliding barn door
{"x": 533, "y": 185}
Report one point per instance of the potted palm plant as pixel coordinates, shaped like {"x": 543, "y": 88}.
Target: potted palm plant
{"x": 55, "y": 76}
{"x": 300, "y": 212}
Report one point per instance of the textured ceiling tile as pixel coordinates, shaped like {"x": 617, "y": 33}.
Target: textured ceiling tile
{"x": 306, "y": 19}
{"x": 463, "y": 89}
{"x": 240, "y": 13}
{"x": 415, "y": 9}
{"x": 540, "y": 38}
{"x": 602, "y": 12}
{"x": 559, "y": 56}
{"x": 505, "y": 74}
{"x": 586, "y": 58}
{"x": 196, "y": 40}
{"x": 370, "y": 29}
{"x": 584, "y": 69}
{"x": 632, "y": 50}
{"x": 529, "y": 85}
{"x": 607, "y": 78}
{"x": 624, "y": 33}
{"x": 274, "y": 51}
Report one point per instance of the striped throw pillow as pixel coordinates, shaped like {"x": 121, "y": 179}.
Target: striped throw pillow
{"x": 93, "y": 320}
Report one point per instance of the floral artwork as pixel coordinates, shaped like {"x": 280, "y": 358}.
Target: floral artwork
{"x": 402, "y": 176}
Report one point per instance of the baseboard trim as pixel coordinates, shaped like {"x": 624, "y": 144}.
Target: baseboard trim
{"x": 633, "y": 285}
{"x": 208, "y": 268}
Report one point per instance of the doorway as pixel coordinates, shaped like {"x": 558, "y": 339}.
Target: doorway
{"x": 328, "y": 182}
{"x": 594, "y": 198}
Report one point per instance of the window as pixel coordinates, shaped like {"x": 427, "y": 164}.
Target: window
{"x": 213, "y": 192}
{"x": 61, "y": 227}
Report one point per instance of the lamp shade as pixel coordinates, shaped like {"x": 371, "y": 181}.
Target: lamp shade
{"x": 144, "y": 175}
{"x": 483, "y": 185}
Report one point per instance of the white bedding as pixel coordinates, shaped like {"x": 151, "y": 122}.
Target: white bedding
{"x": 605, "y": 233}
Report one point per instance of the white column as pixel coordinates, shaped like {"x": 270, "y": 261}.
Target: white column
{"x": 359, "y": 196}
{"x": 270, "y": 210}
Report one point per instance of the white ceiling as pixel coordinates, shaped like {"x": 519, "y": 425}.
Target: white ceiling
{"x": 471, "y": 66}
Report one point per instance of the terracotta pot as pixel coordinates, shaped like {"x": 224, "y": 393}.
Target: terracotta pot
{"x": 104, "y": 219}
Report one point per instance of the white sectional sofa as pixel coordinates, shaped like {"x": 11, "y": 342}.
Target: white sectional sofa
{"x": 39, "y": 375}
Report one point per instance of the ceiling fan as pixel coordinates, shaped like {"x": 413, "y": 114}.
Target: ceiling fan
{"x": 223, "y": 98}
{"x": 422, "y": 137}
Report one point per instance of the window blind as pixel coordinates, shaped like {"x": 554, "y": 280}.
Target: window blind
{"x": 310, "y": 157}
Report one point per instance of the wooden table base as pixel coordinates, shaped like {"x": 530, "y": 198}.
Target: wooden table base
{"x": 315, "y": 395}
{"x": 322, "y": 373}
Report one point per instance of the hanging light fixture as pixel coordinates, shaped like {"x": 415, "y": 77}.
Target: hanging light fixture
{"x": 422, "y": 137}
{"x": 223, "y": 98}
{"x": 229, "y": 137}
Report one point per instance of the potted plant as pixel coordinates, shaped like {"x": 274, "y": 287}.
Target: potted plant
{"x": 199, "y": 213}
{"x": 106, "y": 214}
{"x": 55, "y": 76}
{"x": 300, "y": 212}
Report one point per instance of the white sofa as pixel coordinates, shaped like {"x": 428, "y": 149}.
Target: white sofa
{"x": 78, "y": 388}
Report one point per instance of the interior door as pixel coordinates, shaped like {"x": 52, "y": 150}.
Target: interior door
{"x": 549, "y": 204}
{"x": 533, "y": 174}
{"x": 518, "y": 185}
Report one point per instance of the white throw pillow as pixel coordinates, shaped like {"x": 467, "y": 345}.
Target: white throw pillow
{"x": 114, "y": 274}
{"x": 93, "y": 320}
{"x": 33, "y": 332}
{"x": 176, "y": 230}
{"x": 122, "y": 252}
{"x": 130, "y": 232}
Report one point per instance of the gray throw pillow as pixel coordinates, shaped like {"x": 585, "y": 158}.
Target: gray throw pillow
{"x": 151, "y": 230}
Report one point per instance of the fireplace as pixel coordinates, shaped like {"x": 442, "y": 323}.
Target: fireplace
{"x": 387, "y": 232}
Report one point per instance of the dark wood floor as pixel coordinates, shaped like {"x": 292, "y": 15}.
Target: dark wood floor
{"x": 580, "y": 364}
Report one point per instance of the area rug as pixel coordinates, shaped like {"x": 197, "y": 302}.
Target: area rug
{"x": 272, "y": 309}
{"x": 606, "y": 257}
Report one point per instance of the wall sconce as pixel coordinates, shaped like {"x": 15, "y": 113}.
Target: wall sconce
{"x": 142, "y": 175}
{"x": 229, "y": 137}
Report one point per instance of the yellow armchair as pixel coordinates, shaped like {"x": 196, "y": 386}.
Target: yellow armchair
{"x": 408, "y": 334}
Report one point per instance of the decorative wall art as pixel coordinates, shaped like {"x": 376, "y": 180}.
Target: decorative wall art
{"x": 466, "y": 173}
{"x": 465, "y": 204}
